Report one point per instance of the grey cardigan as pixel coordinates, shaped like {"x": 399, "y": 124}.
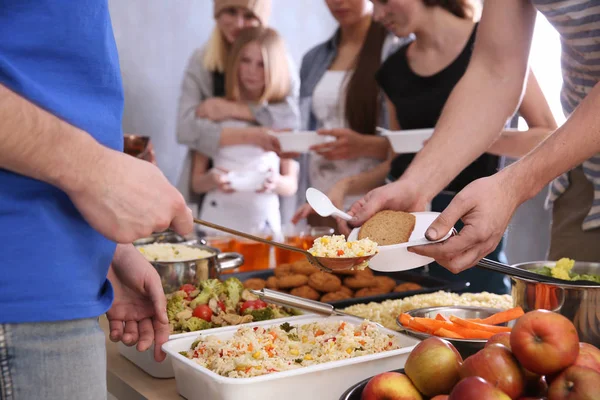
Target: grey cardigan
{"x": 204, "y": 135}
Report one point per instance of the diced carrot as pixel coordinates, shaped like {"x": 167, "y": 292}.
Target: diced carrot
{"x": 250, "y": 347}
{"x": 448, "y": 334}
{"x": 319, "y": 332}
{"x": 477, "y": 326}
{"x": 440, "y": 317}
{"x": 503, "y": 316}
{"x": 342, "y": 326}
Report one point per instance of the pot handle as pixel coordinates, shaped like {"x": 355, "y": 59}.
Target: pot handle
{"x": 230, "y": 260}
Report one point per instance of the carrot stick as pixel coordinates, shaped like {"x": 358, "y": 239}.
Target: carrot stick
{"x": 448, "y": 334}
{"x": 482, "y": 327}
{"x": 404, "y": 319}
{"x": 417, "y": 326}
{"x": 503, "y": 316}
{"x": 431, "y": 324}
{"x": 440, "y": 317}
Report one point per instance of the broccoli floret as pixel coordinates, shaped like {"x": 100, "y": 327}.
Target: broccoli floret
{"x": 210, "y": 288}
{"x": 203, "y": 298}
{"x": 262, "y": 314}
{"x": 234, "y": 288}
{"x": 196, "y": 324}
{"x": 183, "y": 353}
{"x": 193, "y": 347}
{"x": 286, "y": 327}
{"x": 175, "y": 305}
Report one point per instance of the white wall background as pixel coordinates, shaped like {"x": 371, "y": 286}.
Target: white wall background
{"x": 156, "y": 37}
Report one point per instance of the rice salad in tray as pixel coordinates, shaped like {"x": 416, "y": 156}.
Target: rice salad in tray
{"x": 337, "y": 246}
{"x": 255, "y": 351}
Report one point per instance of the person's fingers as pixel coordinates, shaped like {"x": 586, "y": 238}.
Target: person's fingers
{"x": 116, "y": 330}
{"x": 130, "y": 334}
{"x": 466, "y": 239}
{"x": 154, "y": 289}
{"x": 366, "y": 207}
{"x": 161, "y": 335}
{"x": 322, "y": 148}
{"x": 183, "y": 221}
{"x": 448, "y": 218}
{"x": 146, "y": 331}
{"x": 343, "y": 226}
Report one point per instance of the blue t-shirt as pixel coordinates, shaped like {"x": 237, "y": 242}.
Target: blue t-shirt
{"x": 60, "y": 55}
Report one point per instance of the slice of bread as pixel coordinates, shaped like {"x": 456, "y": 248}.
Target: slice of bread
{"x": 388, "y": 227}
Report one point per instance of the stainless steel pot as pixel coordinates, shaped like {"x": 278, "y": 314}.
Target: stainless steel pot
{"x": 176, "y": 273}
{"x": 579, "y": 303}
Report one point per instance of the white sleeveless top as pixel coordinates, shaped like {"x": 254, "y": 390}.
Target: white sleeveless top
{"x": 328, "y": 107}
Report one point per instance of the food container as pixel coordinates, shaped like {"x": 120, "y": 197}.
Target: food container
{"x": 145, "y": 359}
{"x": 300, "y": 142}
{"x": 579, "y": 303}
{"x": 465, "y": 347}
{"x": 173, "y": 274}
{"x": 322, "y": 381}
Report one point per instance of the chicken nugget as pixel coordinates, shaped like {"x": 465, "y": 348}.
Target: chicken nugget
{"x": 283, "y": 270}
{"x": 345, "y": 272}
{"x": 304, "y": 268}
{"x": 385, "y": 283}
{"x": 364, "y": 272}
{"x": 292, "y": 281}
{"x": 347, "y": 290}
{"x": 335, "y": 296}
{"x": 306, "y": 292}
{"x": 370, "y": 291}
{"x": 324, "y": 282}
{"x": 407, "y": 287}
{"x": 272, "y": 283}
{"x": 255, "y": 283}
{"x": 360, "y": 282}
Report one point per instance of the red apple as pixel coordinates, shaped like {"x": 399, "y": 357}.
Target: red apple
{"x": 433, "y": 366}
{"x": 474, "y": 388}
{"x": 576, "y": 383}
{"x": 536, "y": 388}
{"x": 544, "y": 342}
{"x": 502, "y": 338}
{"x": 589, "y": 356}
{"x": 496, "y": 364}
{"x": 440, "y": 397}
{"x": 390, "y": 386}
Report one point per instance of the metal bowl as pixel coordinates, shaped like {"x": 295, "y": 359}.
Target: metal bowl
{"x": 173, "y": 274}
{"x": 465, "y": 347}
{"x": 579, "y": 303}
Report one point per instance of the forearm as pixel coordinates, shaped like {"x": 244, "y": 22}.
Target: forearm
{"x": 573, "y": 143}
{"x": 376, "y": 147}
{"x": 366, "y": 181}
{"x": 34, "y": 144}
{"x": 471, "y": 121}
{"x": 242, "y": 111}
{"x": 516, "y": 144}
{"x": 201, "y": 180}
{"x": 287, "y": 184}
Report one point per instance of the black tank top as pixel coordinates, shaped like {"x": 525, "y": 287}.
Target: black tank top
{"x": 419, "y": 102}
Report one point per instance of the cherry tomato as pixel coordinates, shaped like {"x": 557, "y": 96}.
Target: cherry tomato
{"x": 221, "y": 305}
{"x": 203, "y": 311}
{"x": 252, "y": 305}
{"x": 188, "y": 288}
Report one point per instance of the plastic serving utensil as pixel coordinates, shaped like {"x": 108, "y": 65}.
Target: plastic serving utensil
{"x": 323, "y": 205}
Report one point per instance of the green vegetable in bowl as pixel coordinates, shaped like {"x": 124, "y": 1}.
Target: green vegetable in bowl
{"x": 234, "y": 289}
{"x": 195, "y": 324}
{"x": 564, "y": 270}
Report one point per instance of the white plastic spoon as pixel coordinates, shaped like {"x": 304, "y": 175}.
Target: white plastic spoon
{"x": 323, "y": 205}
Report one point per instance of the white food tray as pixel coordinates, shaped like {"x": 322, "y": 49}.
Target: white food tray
{"x": 406, "y": 141}
{"x": 321, "y": 381}
{"x": 145, "y": 359}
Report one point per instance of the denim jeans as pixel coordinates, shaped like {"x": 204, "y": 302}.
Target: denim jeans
{"x": 481, "y": 280}
{"x": 53, "y": 361}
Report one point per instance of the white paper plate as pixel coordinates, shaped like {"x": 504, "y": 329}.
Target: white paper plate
{"x": 406, "y": 141}
{"x": 247, "y": 181}
{"x": 396, "y": 257}
{"x": 300, "y": 142}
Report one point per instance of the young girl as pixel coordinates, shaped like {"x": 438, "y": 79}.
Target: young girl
{"x": 257, "y": 72}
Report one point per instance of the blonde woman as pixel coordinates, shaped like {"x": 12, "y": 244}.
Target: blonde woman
{"x": 202, "y": 106}
{"x": 256, "y": 72}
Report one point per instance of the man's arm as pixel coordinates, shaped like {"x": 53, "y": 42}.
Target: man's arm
{"x": 483, "y": 100}
{"x": 120, "y": 196}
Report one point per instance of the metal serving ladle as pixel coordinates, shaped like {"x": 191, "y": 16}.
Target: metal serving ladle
{"x": 327, "y": 264}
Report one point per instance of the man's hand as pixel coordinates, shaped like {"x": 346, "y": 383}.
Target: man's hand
{"x": 485, "y": 207}
{"x": 139, "y": 311}
{"x": 401, "y": 195}
{"x": 125, "y": 198}
{"x": 215, "y": 109}
{"x": 348, "y": 145}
